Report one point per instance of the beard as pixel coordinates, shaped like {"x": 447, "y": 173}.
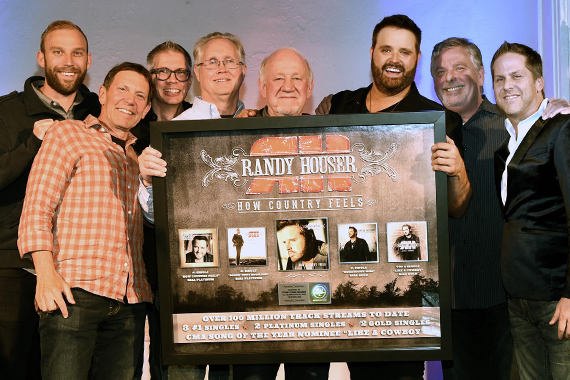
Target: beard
{"x": 65, "y": 88}
{"x": 392, "y": 86}
{"x": 288, "y": 111}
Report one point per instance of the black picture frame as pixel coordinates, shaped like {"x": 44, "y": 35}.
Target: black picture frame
{"x": 179, "y": 141}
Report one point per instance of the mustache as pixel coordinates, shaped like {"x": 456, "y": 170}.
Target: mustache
{"x": 68, "y": 69}
{"x": 394, "y": 65}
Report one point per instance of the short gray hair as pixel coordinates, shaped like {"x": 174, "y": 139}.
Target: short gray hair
{"x": 264, "y": 63}
{"x": 199, "y": 47}
{"x": 468, "y": 46}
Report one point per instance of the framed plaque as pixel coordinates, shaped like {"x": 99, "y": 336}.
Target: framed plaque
{"x": 302, "y": 239}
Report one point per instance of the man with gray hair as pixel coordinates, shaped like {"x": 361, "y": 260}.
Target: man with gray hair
{"x": 220, "y": 68}
{"x": 482, "y": 341}
{"x": 286, "y": 82}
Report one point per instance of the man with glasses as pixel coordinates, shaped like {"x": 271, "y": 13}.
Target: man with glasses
{"x": 171, "y": 69}
{"x": 220, "y": 68}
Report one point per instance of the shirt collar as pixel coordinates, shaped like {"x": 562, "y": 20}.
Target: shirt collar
{"x": 52, "y": 104}
{"x": 525, "y": 125}
{"x": 199, "y": 103}
{"x": 93, "y": 122}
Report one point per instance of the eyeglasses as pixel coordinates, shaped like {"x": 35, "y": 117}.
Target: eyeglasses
{"x": 212, "y": 64}
{"x": 164, "y": 73}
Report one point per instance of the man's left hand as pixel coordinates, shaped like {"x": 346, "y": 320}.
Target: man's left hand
{"x": 562, "y": 316}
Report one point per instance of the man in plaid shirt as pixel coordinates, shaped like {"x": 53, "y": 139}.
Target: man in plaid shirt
{"x": 82, "y": 226}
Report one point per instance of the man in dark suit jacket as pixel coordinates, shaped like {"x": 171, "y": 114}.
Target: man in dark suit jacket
{"x": 535, "y": 195}
{"x": 356, "y": 249}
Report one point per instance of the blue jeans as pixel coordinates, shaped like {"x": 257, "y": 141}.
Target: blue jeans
{"x": 540, "y": 355}
{"x": 98, "y": 340}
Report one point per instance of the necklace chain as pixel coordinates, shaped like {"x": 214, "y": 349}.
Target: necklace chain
{"x": 370, "y": 104}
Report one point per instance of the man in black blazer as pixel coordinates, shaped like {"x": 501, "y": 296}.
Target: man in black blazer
{"x": 535, "y": 196}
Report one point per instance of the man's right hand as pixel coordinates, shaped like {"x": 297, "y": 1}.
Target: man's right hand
{"x": 325, "y": 105}
{"x": 50, "y": 285}
{"x": 42, "y": 126}
{"x": 151, "y": 165}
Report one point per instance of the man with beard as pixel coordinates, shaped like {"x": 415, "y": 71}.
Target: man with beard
{"x": 394, "y": 57}
{"x": 356, "y": 249}
{"x": 199, "y": 252}
{"x": 25, "y": 118}
{"x": 286, "y": 82}
{"x": 304, "y": 250}
{"x": 407, "y": 246}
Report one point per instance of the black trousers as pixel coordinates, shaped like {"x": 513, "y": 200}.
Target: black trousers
{"x": 19, "y": 337}
{"x": 293, "y": 371}
{"x": 482, "y": 344}
{"x": 386, "y": 370}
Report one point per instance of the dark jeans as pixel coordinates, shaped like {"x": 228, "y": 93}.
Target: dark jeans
{"x": 293, "y": 371}
{"x": 156, "y": 369}
{"x": 482, "y": 344}
{"x": 19, "y": 338}
{"x": 198, "y": 372}
{"x": 386, "y": 370}
{"x": 98, "y": 340}
{"x": 540, "y": 355}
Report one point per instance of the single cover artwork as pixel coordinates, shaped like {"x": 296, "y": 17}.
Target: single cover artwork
{"x": 247, "y": 246}
{"x": 358, "y": 242}
{"x": 199, "y": 248}
{"x": 302, "y": 244}
{"x": 407, "y": 241}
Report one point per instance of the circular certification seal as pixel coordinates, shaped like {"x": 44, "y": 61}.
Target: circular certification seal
{"x": 319, "y": 292}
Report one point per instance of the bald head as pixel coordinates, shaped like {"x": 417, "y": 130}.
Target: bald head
{"x": 286, "y": 82}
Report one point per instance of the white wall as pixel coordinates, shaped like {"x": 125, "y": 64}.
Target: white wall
{"x": 335, "y": 35}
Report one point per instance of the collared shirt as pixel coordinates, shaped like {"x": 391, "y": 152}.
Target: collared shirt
{"x": 200, "y": 110}
{"x": 348, "y": 102}
{"x": 53, "y": 105}
{"x": 203, "y": 110}
{"x": 81, "y": 205}
{"x": 475, "y": 238}
{"x": 516, "y": 139}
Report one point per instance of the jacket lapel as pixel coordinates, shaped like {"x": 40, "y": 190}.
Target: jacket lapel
{"x": 501, "y": 155}
{"x": 527, "y": 142}
{"x": 519, "y": 155}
